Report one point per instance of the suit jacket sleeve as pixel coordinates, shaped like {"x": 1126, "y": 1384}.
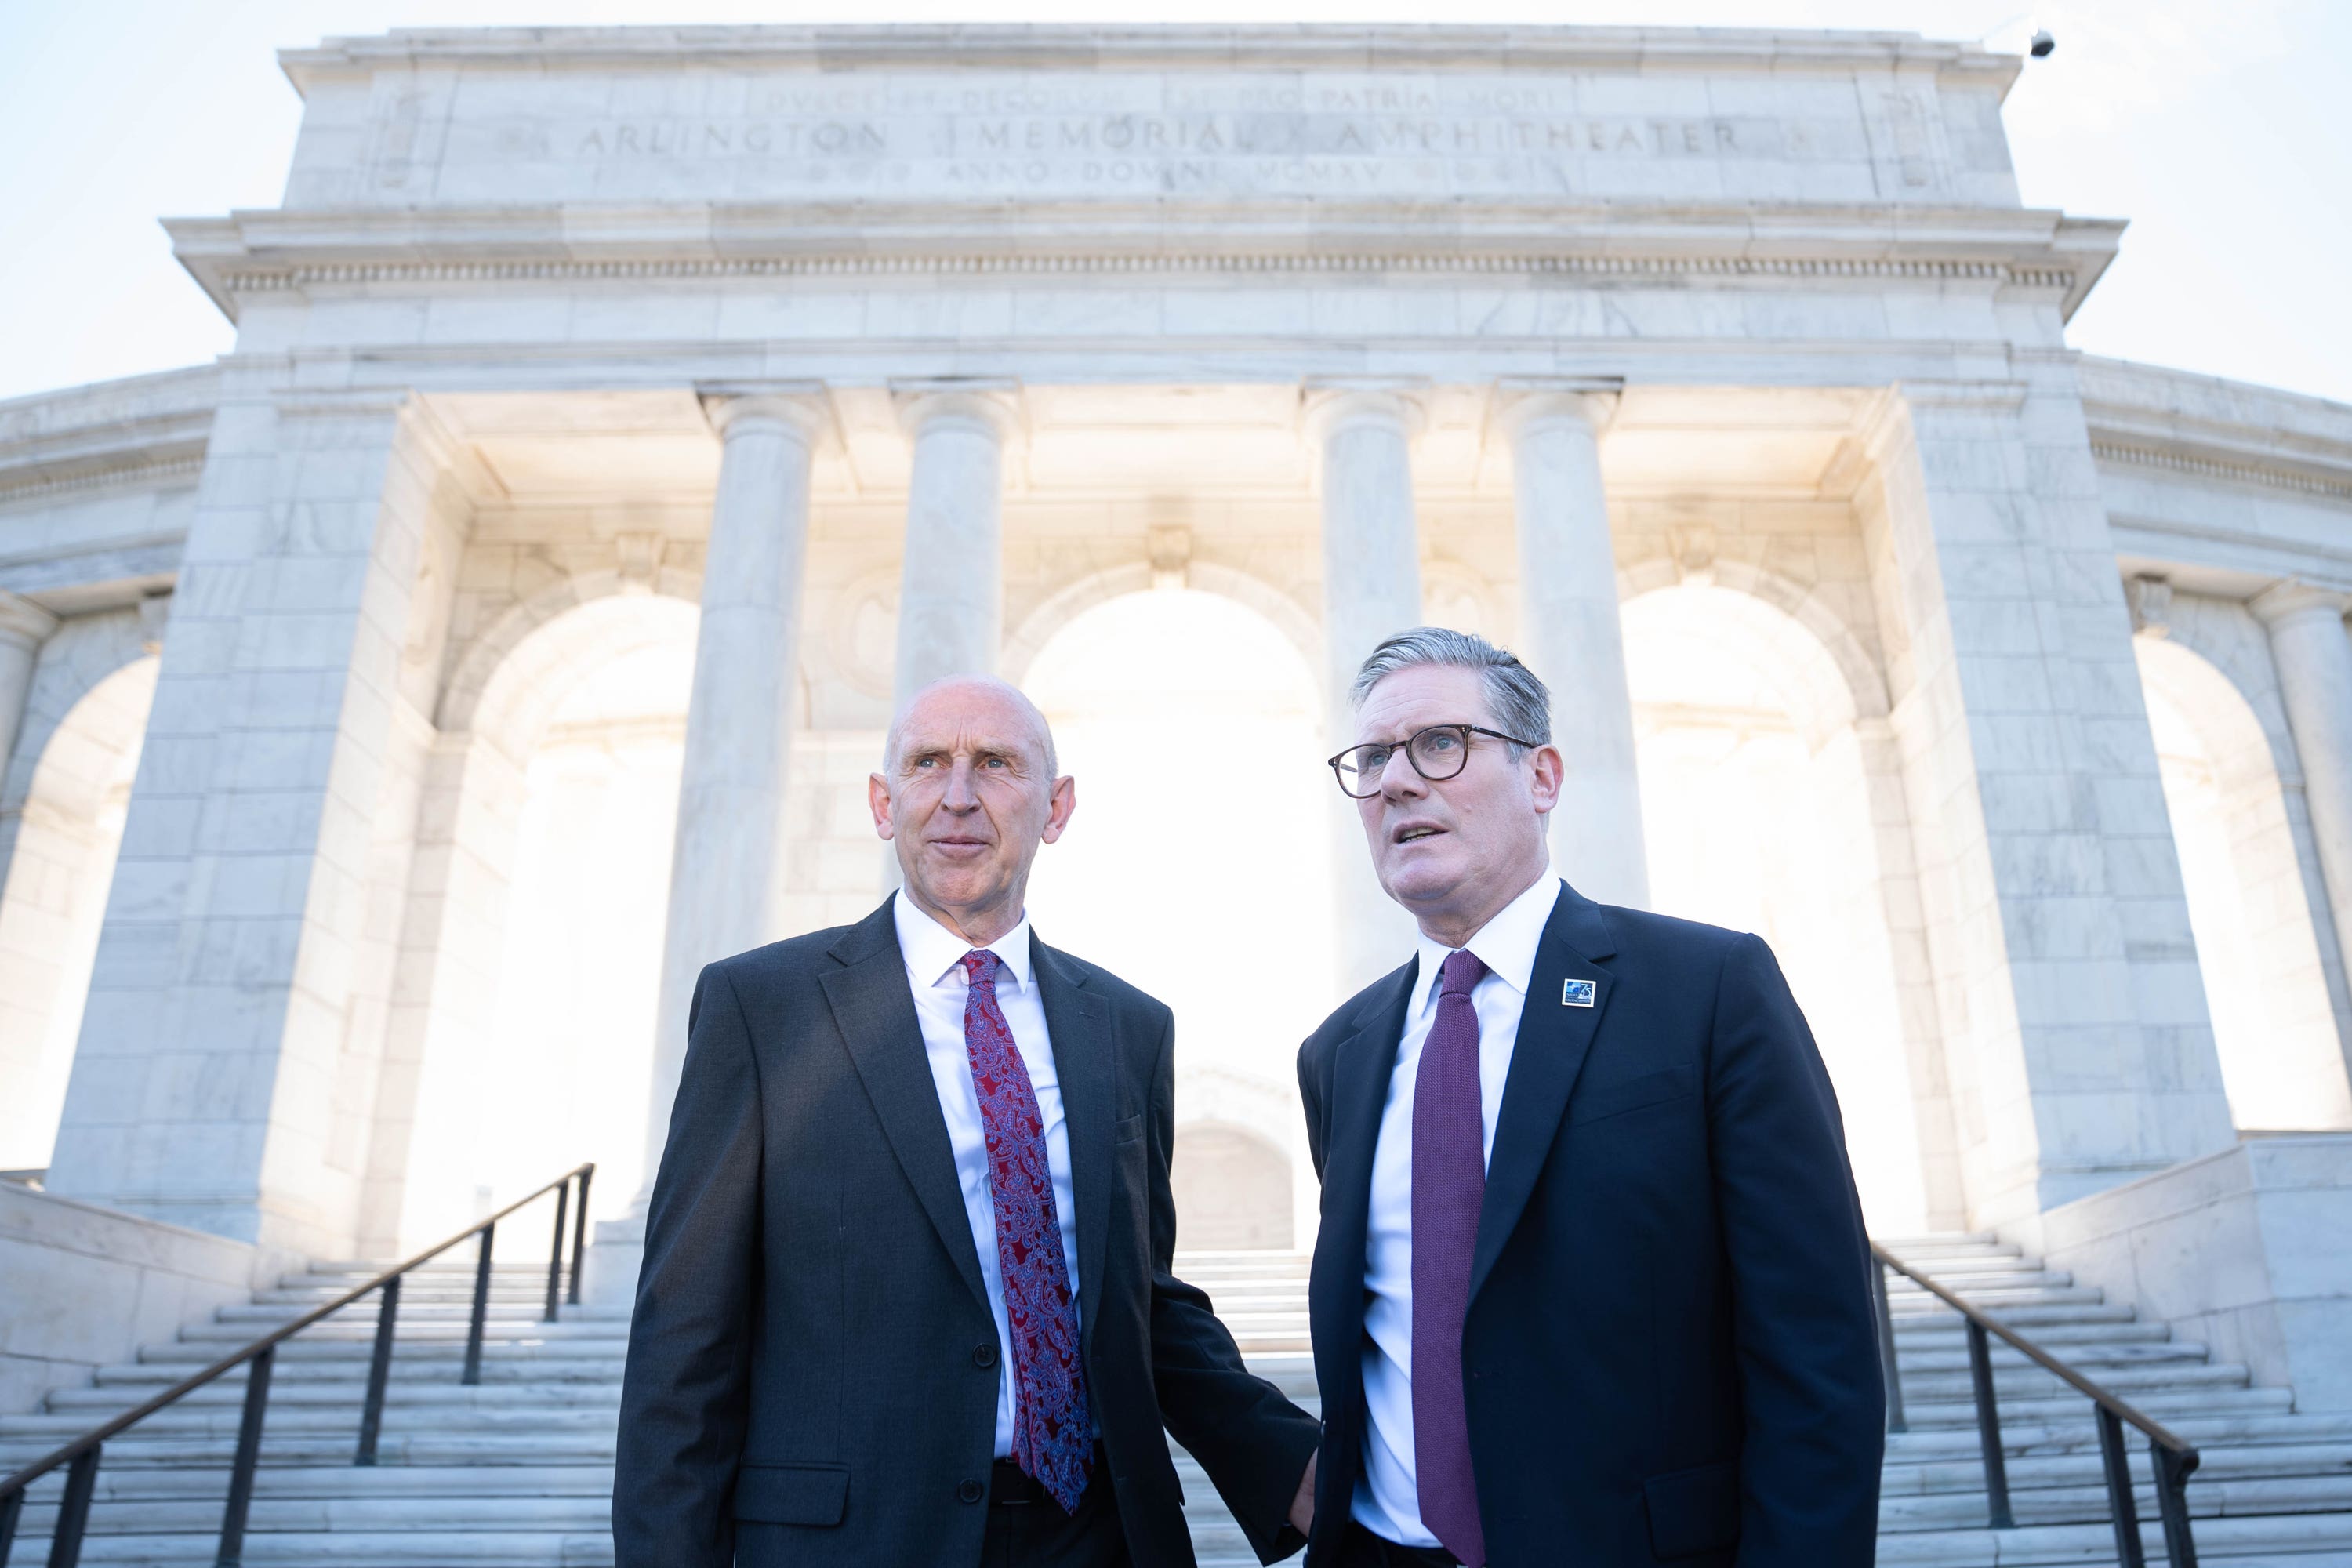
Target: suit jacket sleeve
{"x": 1802, "y": 1314}
{"x": 1252, "y": 1442}
{"x": 686, "y": 1395}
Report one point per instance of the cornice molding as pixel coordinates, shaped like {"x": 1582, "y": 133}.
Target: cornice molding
{"x": 2208, "y": 468}
{"x": 956, "y": 46}
{"x": 267, "y": 280}
{"x": 270, "y": 252}
{"x": 149, "y": 470}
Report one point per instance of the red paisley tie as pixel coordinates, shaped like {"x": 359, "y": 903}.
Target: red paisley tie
{"x": 1052, "y": 1434}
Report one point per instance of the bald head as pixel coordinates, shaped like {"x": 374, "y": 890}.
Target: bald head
{"x": 967, "y": 793}
{"x": 959, "y": 689}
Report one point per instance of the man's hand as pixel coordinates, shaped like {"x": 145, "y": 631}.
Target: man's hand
{"x": 1302, "y": 1507}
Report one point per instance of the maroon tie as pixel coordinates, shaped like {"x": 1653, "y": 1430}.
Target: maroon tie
{"x": 1449, "y": 1179}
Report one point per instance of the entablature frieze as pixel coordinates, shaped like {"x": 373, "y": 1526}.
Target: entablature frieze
{"x": 275, "y": 251}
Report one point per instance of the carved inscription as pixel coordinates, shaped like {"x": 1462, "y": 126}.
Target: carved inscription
{"x": 1140, "y": 134}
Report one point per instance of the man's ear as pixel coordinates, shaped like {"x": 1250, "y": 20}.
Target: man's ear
{"x": 1059, "y": 803}
{"x": 1550, "y": 769}
{"x": 877, "y": 795}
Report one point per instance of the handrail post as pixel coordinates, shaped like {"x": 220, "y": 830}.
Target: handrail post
{"x": 248, "y": 1452}
{"x": 378, "y": 1371}
{"x": 555, "y": 1252}
{"x": 1996, "y": 1469}
{"x": 481, "y": 1308}
{"x": 1894, "y": 1422}
{"x": 2116, "y": 1463}
{"x": 2172, "y": 1503}
{"x": 579, "y": 1238}
{"x": 73, "y": 1511}
{"x": 12, "y": 1509}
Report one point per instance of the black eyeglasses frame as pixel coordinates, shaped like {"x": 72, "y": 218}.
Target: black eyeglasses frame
{"x": 1406, "y": 745}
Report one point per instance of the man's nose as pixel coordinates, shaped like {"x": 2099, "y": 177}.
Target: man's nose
{"x": 964, "y": 788}
{"x": 1401, "y": 780}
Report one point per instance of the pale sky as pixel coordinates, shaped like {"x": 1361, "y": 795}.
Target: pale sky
{"x": 2217, "y": 127}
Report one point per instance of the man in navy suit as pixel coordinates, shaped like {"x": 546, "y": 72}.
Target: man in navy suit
{"x": 1591, "y": 1286}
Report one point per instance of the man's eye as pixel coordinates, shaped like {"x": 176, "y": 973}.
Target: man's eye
{"x": 1373, "y": 758}
{"x": 1443, "y": 740}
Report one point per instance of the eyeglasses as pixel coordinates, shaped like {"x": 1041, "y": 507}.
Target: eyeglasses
{"x": 1436, "y": 753}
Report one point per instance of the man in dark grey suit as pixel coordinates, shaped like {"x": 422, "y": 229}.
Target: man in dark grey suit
{"x": 907, "y": 1296}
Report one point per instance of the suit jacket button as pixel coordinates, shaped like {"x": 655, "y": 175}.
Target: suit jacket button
{"x": 984, "y": 1355}
{"x": 970, "y": 1490}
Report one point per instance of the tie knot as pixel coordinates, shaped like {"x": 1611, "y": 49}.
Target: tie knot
{"x": 979, "y": 967}
{"x": 1460, "y": 974}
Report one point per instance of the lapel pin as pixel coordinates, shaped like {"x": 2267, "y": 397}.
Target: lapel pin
{"x": 1576, "y": 993}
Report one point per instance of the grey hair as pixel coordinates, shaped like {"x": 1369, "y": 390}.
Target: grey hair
{"x": 1020, "y": 698}
{"x": 1519, "y": 704}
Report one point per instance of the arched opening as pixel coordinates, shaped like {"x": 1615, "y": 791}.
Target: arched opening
{"x": 1760, "y": 813}
{"x": 2264, "y": 987}
{"x": 535, "y": 938}
{"x": 1232, "y": 1188}
{"x": 61, "y": 865}
{"x": 1193, "y": 728}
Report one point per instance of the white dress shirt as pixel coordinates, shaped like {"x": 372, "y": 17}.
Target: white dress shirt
{"x": 1387, "y": 1500}
{"x": 934, "y": 956}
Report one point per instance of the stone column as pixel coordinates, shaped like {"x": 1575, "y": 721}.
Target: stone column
{"x": 724, "y": 874}
{"x": 24, "y": 626}
{"x": 2313, "y": 657}
{"x": 2071, "y": 1011}
{"x": 1571, "y": 637}
{"x": 227, "y": 1052}
{"x": 951, "y": 586}
{"x": 1372, "y": 589}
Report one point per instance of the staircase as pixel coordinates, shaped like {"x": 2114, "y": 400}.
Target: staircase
{"x": 518, "y": 1470}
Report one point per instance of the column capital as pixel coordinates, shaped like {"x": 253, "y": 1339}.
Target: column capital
{"x": 1327, "y": 408}
{"x": 987, "y": 404}
{"x": 1519, "y": 404}
{"x": 23, "y": 621}
{"x": 2290, "y": 599}
{"x": 800, "y": 407}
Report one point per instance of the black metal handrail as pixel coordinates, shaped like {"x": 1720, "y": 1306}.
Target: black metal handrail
{"x": 2171, "y": 1458}
{"x": 82, "y": 1455}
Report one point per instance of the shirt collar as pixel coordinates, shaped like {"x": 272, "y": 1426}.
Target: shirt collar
{"x": 932, "y": 949}
{"x": 1506, "y": 945}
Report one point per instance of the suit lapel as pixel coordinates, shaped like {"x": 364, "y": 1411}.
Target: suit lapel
{"x": 1361, "y": 1069}
{"x": 1086, "y": 1061}
{"x": 875, "y": 1010}
{"x": 1550, "y": 1051}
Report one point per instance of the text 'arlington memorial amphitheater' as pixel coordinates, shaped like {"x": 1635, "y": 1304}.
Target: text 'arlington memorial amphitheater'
{"x": 396, "y": 712}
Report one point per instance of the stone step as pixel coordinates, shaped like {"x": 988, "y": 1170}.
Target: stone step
{"x": 217, "y": 1338}
{"x": 1925, "y": 1316}
{"x": 2022, "y": 1380}
{"x": 2289, "y": 1540}
{"x": 1919, "y": 1463}
{"x": 2091, "y": 1357}
{"x": 2282, "y": 1538}
{"x": 326, "y": 1409}
{"x": 367, "y": 1504}
{"x": 1999, "y": 1301}
{"x": 2078, "y": 1433}
{"x": 2245, "y": 1495}
{"x": 1925, "y": 1380}
{"x": 2082, "y": 1468}
{"x": 259, "y": 1318}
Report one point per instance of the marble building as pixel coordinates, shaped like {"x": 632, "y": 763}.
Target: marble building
{"x": 399, "y": 710}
